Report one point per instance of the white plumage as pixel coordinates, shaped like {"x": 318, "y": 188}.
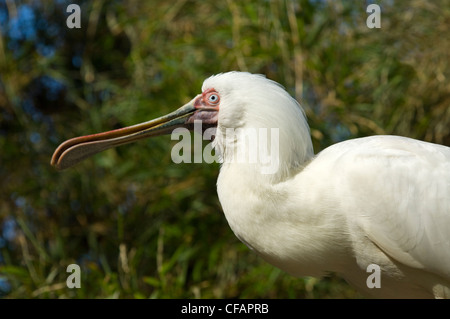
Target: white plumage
{"x": 381, "y": 200}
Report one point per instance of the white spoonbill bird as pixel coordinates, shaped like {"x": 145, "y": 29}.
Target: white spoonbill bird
{"x": 374, "y": 210}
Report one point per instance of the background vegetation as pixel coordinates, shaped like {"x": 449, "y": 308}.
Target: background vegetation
{"x": 139, "y": 225}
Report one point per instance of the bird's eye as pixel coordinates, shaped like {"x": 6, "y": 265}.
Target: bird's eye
{"x": 213, "y": 99}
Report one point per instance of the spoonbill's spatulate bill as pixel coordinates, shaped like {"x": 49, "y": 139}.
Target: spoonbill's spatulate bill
{"x": 380, "y": 203}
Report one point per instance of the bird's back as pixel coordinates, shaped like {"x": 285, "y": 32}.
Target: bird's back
{"x": 395, "y": 194}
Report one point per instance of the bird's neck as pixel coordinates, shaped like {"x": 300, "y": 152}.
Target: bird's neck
{"x": 265, "y": 154}
{"x": 266, "y": 205}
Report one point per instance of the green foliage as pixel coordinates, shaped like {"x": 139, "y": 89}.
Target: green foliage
{"x": 139, "y": 225}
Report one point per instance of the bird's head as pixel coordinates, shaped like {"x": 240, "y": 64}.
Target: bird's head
{"x": 229, "y": 101}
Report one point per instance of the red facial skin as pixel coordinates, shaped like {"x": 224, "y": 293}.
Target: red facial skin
{"x": 207, "y": 105}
